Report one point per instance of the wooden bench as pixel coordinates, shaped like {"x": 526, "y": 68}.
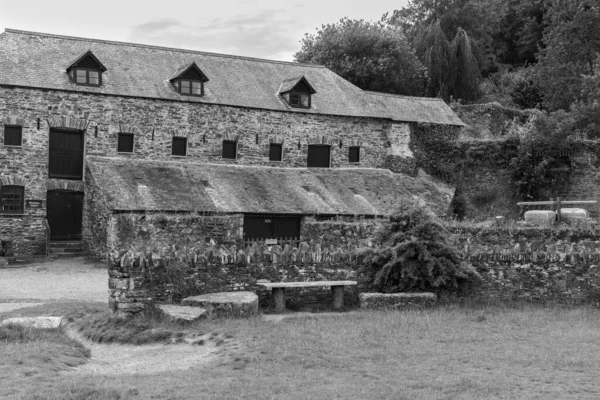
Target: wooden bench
{"x": 278, "y": 288}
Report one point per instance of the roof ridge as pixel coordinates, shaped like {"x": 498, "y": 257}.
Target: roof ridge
{"x": 403, "y": 96}
{"x": 149, "y": 46}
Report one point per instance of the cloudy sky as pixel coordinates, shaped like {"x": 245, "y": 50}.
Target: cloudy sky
{"x": 260, "y": 28}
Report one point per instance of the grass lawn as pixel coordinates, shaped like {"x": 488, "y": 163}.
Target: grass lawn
{"x": 448, "y": 352}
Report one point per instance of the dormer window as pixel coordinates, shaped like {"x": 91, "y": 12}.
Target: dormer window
{"x": 189, "y": 80}
{"x": 297, "y": 92}
{"x": 86, "y": 70}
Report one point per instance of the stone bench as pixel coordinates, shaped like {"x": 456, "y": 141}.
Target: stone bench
{"x": 278, "y": 288}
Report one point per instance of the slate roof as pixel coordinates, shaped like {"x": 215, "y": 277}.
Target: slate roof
{"x": 39, "y": 60}
{"x": 134, "y": 185}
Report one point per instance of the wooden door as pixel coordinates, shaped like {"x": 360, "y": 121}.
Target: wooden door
{"x": 318, "y": 156}
{"x": 66, "y": 155}
{"x": 271, "y": 226}
{"x": 65, "y": 211}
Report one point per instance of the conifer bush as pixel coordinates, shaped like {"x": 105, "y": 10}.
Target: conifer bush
{"x": 417, "y": 253}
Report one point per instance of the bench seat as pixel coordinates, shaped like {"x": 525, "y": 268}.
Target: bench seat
{"x": 278, "y": 288}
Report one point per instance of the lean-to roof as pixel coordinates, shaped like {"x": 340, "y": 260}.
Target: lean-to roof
{"x": 138, "y": 185}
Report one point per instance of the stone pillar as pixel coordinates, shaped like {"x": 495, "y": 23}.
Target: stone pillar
{"x": 279, "y": 297}
{"x": 338, "y": 297}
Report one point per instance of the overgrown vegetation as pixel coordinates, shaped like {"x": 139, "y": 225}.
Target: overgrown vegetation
{"x": 416, "y": 253}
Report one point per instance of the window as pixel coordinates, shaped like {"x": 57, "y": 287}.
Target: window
{"x": 354, "y": 155}
{"x": 125, "y": 143}
{"x": 13, "y": 135}
{"x": 88, "y": 77}
{"x": 275, "y": 152}
{"x": 318, "y": 156}
{"x": 230, "y": 149}
{"x": 300, "y": 100}
{"x": 191, "y": 88}
{"x": 11, "y": 199}
{"x": 179, "y": 147}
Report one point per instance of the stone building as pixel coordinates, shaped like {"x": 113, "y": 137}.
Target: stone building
{"x": 91, "y": 124}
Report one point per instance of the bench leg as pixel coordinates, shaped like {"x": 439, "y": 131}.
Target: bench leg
{"x": 338, "y": 297}
{"x": 279, "y": 297}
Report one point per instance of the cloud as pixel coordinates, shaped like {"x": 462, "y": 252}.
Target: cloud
{"x": 267, "y": 34}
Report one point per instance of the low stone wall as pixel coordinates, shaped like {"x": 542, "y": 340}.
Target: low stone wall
{"x": 532, "y": 264}
{"x": 138, "y": 279}
{"x": 22, "y": 235}
{"x": 353, "y": 233}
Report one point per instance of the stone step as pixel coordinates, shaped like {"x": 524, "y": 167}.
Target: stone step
{"x": 66, "y": 244}
{"x": 241, "y": 304}
{"x": 66, "y": 248}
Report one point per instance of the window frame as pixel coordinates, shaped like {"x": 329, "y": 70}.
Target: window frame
{"x": 357, "y": 149}
{"x": 235, "y": 149}
{"x": 278, "y": 145}
{"x": 123, "y": 134}
{"x": 20, "y": 135}
{"x": 191, "y": 81}
{"x": 22, "y": 199}
{"x": 185, "y": 140}
{"x": 87, "y": 76}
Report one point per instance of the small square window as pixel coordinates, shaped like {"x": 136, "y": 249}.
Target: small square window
{"x": 197, "y": 88}
{"x": 179, "y": 147}
{"x": 11, "y": 199}
{"x": 94, "y": 77}
{"x": 230, "y": 149}
{"x": 319, "y": 156}
{"x": 191, "y": 88}
{"x": 125, "y": 143}
{"x": 13, "y": 135}
{"x": 88, "y": 77}
{"x": 275, "y": 152}
{"x": 354, "y": 155}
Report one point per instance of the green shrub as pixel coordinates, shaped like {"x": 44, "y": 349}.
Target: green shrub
{"x": 417, "y": 253}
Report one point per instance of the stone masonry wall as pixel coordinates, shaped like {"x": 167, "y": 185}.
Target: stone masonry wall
{"x": 139, "y": 279}
{"x": 155, "y": 122}
{"x": 350, "y": 234}
{"x": 96, "y": 220}
{"x": 532, "y": 264}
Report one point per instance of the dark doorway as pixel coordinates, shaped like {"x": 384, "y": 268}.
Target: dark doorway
{"x": 266, "y": 226}
{"x": 66, "y": 154}
{"x": 65, "y": 210}
{"x": 318, "y": 156}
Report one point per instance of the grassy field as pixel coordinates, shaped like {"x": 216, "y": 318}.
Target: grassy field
{"x": 449, "y": 352}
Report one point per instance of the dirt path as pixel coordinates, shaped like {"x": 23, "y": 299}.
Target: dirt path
{"x": 128, "y": 359}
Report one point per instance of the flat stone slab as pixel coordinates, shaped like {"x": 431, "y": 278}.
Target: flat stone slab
{"x": 242, "y": 303}
{"x": 186, "y": 313}
{"x": 305, "y": 284}
{"x": 34, "y": 322}
{"x": 396, "y": 300}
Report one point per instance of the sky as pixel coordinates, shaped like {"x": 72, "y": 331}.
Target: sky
{"x": 269, "y": 29}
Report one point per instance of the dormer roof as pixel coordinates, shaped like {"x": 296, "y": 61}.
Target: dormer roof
{"x": 87, "y": 59}
{"x": 287, "y": 85}
{"x": 189, "y": 71}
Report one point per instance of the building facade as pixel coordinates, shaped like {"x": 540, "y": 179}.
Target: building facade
{"x": 66, "y": 101}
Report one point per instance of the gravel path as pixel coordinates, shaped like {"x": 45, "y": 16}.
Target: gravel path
{"x": 59, "y": 280}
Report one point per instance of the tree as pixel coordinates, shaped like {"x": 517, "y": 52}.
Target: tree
{"x": 572, "y": 41}
{"x": 435, "y": 52}
{"x": 373, "y": 56}
{"x": 464, "y": 68}
{"x": 417, "y": 253}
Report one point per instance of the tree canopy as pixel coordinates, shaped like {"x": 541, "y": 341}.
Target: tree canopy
{"x": 372, "y": 55}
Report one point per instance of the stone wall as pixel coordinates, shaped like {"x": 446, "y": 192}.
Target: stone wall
{"x": 155, "y": 122}
{"x": 339, "y": 232}
{"x": 139, "y": 279}
{"x": 531, "y": 264}
{"x": 97, "y": 220}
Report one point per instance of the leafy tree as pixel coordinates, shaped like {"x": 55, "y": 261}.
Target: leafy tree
{"x": 519, "y": 31}
{"x": 435, "y": 51}
{"x": 417, "y": 253}
{"x": 373, "y": 56}
{"x": 572, "y": 41}
{"x": 464, "y": 68}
